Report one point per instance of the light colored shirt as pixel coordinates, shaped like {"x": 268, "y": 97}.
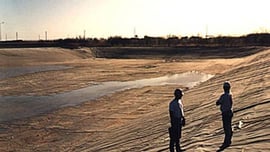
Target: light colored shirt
{"x": 176, "y": 106}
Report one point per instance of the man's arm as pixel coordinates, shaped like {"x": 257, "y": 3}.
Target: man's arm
{"x": 219, "y": 101}
{"x": 183, "y": 121}
{"x": 231, "y": 100}
{"x": 171, "y": 115}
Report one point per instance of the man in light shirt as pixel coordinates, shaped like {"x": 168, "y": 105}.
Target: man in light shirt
{"x": 177, "y": 120}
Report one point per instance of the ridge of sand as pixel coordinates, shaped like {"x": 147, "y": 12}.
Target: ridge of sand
{"x": 137, "y": 119}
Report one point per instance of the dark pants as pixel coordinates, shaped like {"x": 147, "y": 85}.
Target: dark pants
{"x": 175, "y": 135}
{"x": 227, "y": 126}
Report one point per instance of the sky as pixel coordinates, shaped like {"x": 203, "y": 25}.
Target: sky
{"x": 105, "y": 18}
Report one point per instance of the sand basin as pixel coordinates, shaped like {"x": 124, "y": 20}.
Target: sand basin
{"x": 123, "y": 121}
{"x": 17, "y": 107}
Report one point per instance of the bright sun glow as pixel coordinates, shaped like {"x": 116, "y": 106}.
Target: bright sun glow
{"x": 104, "y": 18}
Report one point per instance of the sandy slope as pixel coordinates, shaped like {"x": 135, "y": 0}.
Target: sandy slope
{"x": 137, "y": 119}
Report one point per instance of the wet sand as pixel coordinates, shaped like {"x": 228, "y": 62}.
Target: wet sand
{"x": 137, "y": 119}
{"x": 28, "y": 106}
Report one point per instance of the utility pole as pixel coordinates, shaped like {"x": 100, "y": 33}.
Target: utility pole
{"x": 84, "y": 32}
{"x": 16, "y": 36}
{"x": 134, "y": 33}
{"x": 6, "y": 37}
{"x": 1, "y": 31}
{"x": 206, "y": 31}
{"x": 46, "y": 36}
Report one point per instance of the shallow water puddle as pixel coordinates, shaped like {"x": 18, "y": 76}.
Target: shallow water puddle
{"x": 17, "y": 107}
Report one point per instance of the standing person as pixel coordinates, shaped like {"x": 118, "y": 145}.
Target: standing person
{"x": 177, "y": 120}
{"x": 225, "y": 101}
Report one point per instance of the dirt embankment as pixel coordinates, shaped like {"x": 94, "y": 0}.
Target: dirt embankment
{"x": 174, "y": 53}
{"x": 137, "y": 119}
{"x": 40, "y": 56}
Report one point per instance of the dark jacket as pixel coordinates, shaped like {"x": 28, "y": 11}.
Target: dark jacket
{"x": 225, "y": 102}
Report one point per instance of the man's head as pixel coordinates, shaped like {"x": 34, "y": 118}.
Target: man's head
{"x": 226, "y": 86}
{"x": 178, "y": 93}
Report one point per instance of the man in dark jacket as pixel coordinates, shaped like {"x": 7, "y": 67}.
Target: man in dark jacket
{"x": 177, "y": 120}
{"x": 225, "y": 101}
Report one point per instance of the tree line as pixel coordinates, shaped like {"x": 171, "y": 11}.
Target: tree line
{"x": 256, "y": 39}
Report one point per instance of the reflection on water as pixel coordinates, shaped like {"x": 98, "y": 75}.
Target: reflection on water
{"x": 17, "y": 107}
{"x": 16, "y": 71}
